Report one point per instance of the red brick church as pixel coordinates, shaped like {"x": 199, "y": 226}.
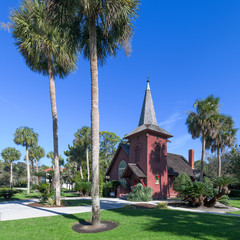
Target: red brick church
{"x": 145, "y": 158}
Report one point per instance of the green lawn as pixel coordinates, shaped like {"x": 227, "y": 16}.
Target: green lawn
{"x": 78, "y": 202}
{"x": 235, "y": 202}
{"x": 70, "y": 194}
{"x": 23, "y": 195}
{"x": 143, "y": 224}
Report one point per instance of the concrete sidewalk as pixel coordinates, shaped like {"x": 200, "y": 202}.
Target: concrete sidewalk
{"x": 13, "y": 210}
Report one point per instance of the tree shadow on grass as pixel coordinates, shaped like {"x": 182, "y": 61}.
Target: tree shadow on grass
{"x": 180, "y": 223}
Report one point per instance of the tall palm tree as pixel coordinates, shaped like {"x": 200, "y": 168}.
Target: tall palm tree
{"x": 10, "y": 155}
{"x": 202, "y": 123}
{"x": 83, "y": 136}
{"x": 26, "y": 137}
{"x": 105, "y": 27}
{"x": 49, "y": 49}
{"x": 225, "y": 137}
{"x": 36, "y": 153}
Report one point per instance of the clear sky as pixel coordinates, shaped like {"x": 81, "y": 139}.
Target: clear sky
{"x": 189, "y": 49}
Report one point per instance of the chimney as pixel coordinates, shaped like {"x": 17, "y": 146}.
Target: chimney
{"x": 191, "y": 158}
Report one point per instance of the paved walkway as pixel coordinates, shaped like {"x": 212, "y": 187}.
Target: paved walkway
{"x": 13, "y": 210}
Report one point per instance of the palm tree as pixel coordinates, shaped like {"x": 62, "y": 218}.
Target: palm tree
{"x": 26, "y": 137}
{"x": 202, "y": 123}
{"x": 10, "y": 155}
{"x": 83, "y": 136}
{"x": 225, "y": 137}
{"x": 60, "y": 159}
{"x": 105, "y": 27}
{"x": 36, "y": 153}
{"x": 49, "y": 49}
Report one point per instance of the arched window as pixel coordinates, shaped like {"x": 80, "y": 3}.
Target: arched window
{"x": 121, "y": 168}
{"x": 157, "y": 153}
{"x": 137, "y": 154}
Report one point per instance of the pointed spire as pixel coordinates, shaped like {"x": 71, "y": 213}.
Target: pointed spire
{"x": 148, "y": 115}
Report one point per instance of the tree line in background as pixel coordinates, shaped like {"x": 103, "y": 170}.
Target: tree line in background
{"x": 78, "y": 162}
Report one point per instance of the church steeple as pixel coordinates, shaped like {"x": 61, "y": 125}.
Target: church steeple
{"x": 148, "y": 115}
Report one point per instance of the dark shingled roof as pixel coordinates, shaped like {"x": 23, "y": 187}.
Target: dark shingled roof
{"x": 150, "y": 127}
{"x": 125, "y": 148}
{"x": 177, "y": 164}
{"x": 134, "y": 168}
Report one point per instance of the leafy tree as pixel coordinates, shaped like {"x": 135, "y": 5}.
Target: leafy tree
{"x": 10, "y": 155}
{"x": 108, "y": 147}
{"x": 202, "y": 123}
{"x": 26, "y": 137}
{"x": 234, "y": 157}
{"x": 105, "y": 26}
{"x": 48, "y": 48}
{"x": 83, "y": 137}
{"x": 225, "y": 137}
{"x": 51, "y": 156}
{"x": 76, "y": 154}
{"x": 36, "y": 153}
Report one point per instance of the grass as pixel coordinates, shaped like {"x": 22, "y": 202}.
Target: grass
{"x": 70, "y": 194}
{"x": 235, "y": 202}
{"x": 78, "y": 202}
{"x": 133, "y": 224}
{"x": 23, "y": 195}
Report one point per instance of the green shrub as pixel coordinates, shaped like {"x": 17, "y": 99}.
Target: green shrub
{"x": 225, "y": 200}
{"x": 8, "y": 193}
{"x": 45, "y": 192}
{"x": 234, "y": 193}
{"x": 162, "y": 205}
{"x": 50, "y": 202}
{"x": 84, "y": 187}
{"x": 140, "y": 194}
{"x": 110, "y": 187}
{"x": 203, "y": 193}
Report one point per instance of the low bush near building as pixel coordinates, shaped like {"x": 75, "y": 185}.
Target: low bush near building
{"x": 162, "y": 205}
{"x": 205, "y": 193}
{"x": 140, "y": 194}
{"x": 83, "y": 188}
{"x": 110, "y": 187}
{"x": 8, "y": 193}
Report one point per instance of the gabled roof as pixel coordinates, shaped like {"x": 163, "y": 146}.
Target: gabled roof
{"x": 125, "y": 147}
{"x": 133, "y": 168}
{"x": 149, "y": 127}
{"x": 177, "y": 164}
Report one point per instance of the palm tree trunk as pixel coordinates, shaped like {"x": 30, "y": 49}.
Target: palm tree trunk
{"x": 94, "y": 123}
{"x": 55, "y": 132}
{"x": 11, "y": 175}
{"x": 38, "y": 178}
{"x": 32, "y": 163}
{"x": 219, "y": 163}
{"x": 28, "y": 171}
{"x": 203, "y": 156}
{"x": 80, "y": 170}
{"x": 87, "y": 160}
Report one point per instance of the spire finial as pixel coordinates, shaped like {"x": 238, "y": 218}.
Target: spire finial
{"x": 148, "y": 86}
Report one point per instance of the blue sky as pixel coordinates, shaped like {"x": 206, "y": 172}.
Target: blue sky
{"x": 189, "y": 49}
